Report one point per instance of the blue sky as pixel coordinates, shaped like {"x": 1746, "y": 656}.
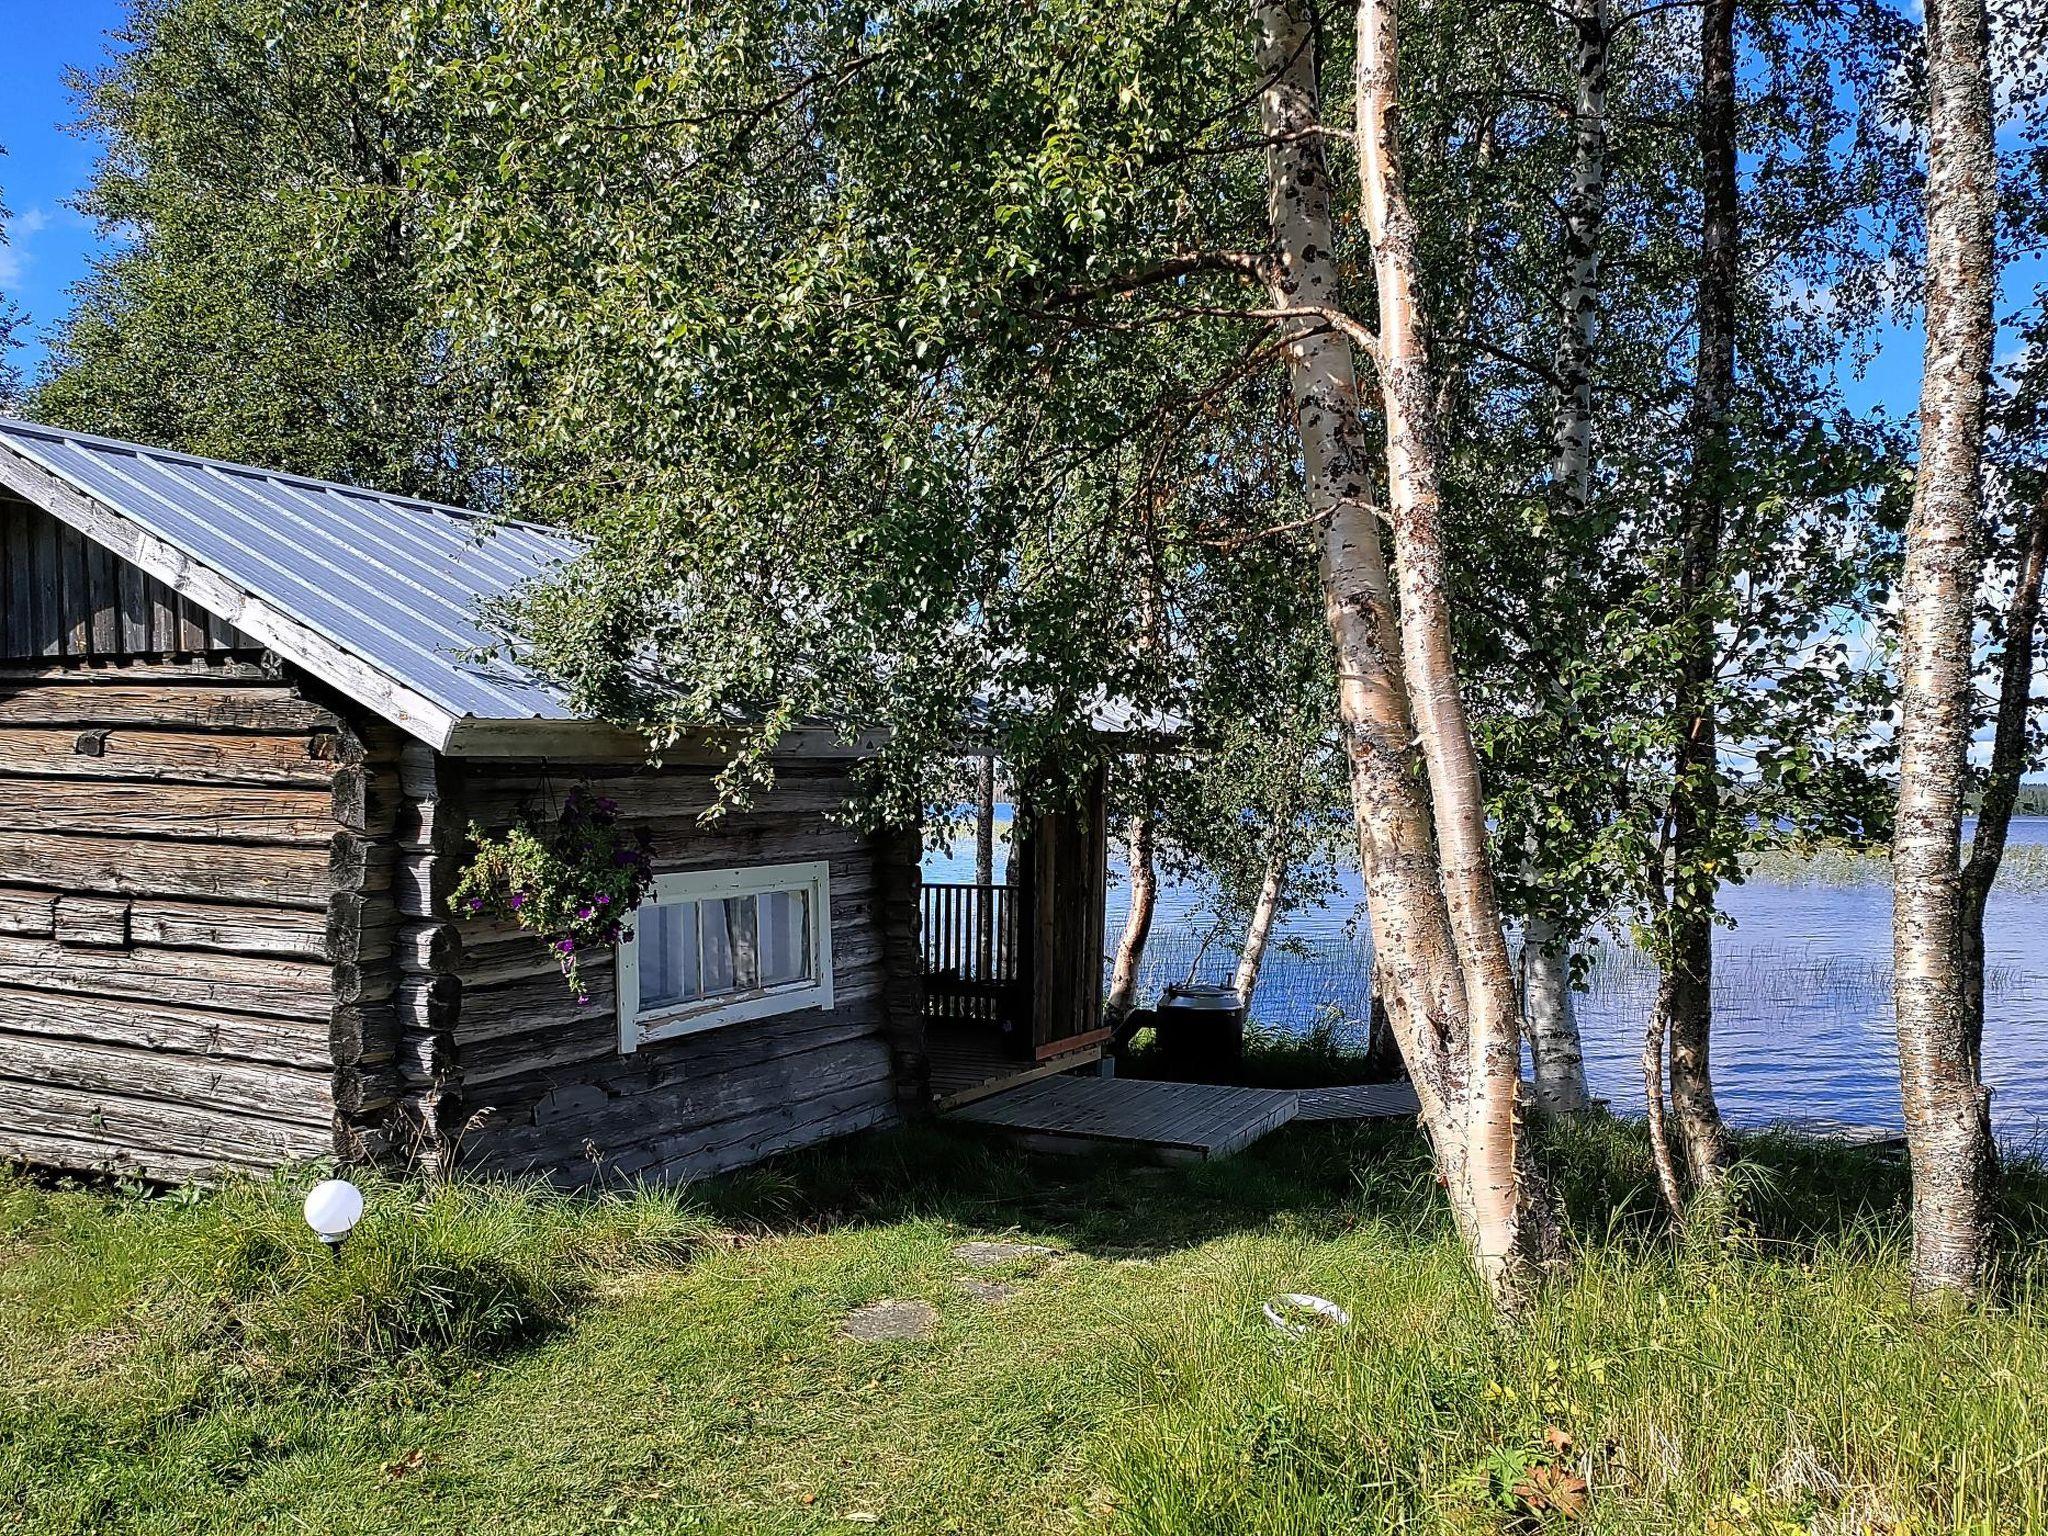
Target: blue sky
{"x": 45, "y": 166}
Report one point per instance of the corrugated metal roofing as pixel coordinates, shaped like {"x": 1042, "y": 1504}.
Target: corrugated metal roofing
{"x": 399, "y": 584}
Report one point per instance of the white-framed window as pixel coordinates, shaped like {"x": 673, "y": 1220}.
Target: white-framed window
{"x": 716, "y": 947}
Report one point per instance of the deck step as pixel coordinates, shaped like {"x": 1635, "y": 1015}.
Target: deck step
{"x": 1177, "y": 1121}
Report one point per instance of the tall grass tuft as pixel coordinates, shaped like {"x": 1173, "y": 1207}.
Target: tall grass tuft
{"x": 436, "y": 1277}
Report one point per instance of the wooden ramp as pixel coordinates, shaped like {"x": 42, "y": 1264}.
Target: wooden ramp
{"x": 1363, "y": 1101}
{"x": 1184, "y": 1122}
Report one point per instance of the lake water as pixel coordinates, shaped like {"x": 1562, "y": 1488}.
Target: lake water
{"x": 1803, "y": 1018}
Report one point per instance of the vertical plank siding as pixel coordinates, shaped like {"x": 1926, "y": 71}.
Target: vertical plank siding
{"x": 1069, "y": 850}
{"x": 67, "y": 597}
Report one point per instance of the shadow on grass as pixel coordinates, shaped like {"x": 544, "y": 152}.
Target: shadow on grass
{"x": 1797, "y": 1193}
{"x": 1321, "y": 1179}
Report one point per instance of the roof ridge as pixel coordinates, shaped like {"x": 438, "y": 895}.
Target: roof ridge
{"x": 99, "y": 440}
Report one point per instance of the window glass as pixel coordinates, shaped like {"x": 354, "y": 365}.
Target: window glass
{"x": 667, "y": 941}
{"x": 718, "y": 946}
{"x": 718, "y": 970}
{"x": 785, "y": 937}
{"x": 746, "y": 943}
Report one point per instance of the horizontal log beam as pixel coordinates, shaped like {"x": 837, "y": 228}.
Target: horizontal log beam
{"x": 33, "y": 913}
{"x": 90, "y": 1154}
{"x": 857, "y": 1106}
{"x": 205, "y": 812}
{"x": 195, "y": 757}
{"x": 250, "y": 873}
{"x": 275, "y": 1093}
{"x": 291, "y": 989}
{"x": 159, "y": 1027}
{"x": 120, "y": 671}
{"x": 95, "y": 922}
{"x": 156, "y": 1127}
{"x": 720, "y": 1122}
{"x": 163, "y": 704}
{"x": 690, "y": 1101}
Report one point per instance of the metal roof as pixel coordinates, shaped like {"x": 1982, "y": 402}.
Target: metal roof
{"x": 397, "y": 585}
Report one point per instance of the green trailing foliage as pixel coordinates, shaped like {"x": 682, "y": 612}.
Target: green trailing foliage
{"x": 573, "y": 879}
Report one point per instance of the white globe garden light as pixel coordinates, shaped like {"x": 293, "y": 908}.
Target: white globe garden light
{"x": 332, "y": 1210}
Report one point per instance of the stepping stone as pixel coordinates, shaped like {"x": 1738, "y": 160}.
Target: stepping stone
{"x": 990, "y": 1255}
{"x": 881, "y": 1321}
{"x": 986, "y": 1290}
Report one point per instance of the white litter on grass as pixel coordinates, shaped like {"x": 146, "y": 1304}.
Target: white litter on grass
{"x": 1297, "y": 1315}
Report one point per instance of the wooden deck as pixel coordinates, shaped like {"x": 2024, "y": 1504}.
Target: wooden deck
{"x": 968, "y": 1063}
{"x": 1180, "y": 1122}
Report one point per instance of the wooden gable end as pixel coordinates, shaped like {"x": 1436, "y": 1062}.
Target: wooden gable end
{"x": 65, "y": 597}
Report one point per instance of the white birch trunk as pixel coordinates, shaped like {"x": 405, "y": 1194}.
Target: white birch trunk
{"x": 1414, "y": 954}
{"x": 1585, "y": 210}
{"x": 985, "y": 822}
{"x": 1259, "y": 931}
{"x": 1448, "y": 986}
{"x": 1494, "y": 1040}
{"x": 1948, "y": 1109}
{"x": 1555, "y": 1053}
{"x": 1130, "y": 946}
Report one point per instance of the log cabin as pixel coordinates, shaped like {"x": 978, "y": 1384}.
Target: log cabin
{"x": 247, "y": 720}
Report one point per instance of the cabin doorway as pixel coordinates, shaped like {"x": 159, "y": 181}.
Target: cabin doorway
{"x": 1013, "y": 964}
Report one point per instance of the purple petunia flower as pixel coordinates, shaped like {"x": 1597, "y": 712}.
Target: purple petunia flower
{"x": 476, "y": 903}
{"x": 517, "y": 901}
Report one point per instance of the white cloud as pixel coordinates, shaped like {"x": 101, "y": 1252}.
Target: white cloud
{"x": 14, "y": 257}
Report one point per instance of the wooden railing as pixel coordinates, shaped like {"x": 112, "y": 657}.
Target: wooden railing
{"x": 971, "y": 954}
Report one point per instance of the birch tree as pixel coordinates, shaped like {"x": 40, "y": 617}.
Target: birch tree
{"x": 1142, "y": 865}
{"x": 1258, "y": 930}
{"x": 1556, "y": 1057}
{"x": 1427, "y": 875}
{"x": 1682, "y": 1016}
{"x": 1947, "y": 1107}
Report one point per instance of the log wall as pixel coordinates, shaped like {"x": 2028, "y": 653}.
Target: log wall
{"x": 503, "y": 1069}
{"x": 196, "y": 917}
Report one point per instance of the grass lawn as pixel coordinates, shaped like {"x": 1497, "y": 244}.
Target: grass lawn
{"x": 484, "y": 1359}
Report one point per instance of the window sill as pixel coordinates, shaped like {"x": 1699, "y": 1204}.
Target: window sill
{"x": 700, "y": 1018}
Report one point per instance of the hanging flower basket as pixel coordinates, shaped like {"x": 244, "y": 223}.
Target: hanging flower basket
{"x": 572, "y": 882}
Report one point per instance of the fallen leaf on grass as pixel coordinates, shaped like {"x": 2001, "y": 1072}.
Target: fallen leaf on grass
{"x": 1544, "y": 1488}
{"x": 406, "y": 1465}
